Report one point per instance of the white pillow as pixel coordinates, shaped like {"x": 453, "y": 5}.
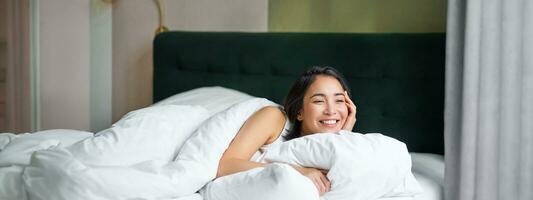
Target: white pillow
{"x": 214, "y": 99}
{"x": 368, "y": 166}
{"x": 152, "y": 133}
{"x": 18, "y": 148}
{"x": 429, "y": 165}
{"x": 274, "y": 182}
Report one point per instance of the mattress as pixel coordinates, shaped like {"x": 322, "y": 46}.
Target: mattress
{"x": 429, "y": 172}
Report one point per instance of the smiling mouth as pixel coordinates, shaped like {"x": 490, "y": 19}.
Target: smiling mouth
{"x": 329, "y": 122}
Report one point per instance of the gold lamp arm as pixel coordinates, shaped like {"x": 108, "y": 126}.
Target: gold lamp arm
{"x": 161, "y": 8}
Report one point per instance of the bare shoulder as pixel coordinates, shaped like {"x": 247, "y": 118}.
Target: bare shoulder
{"x": 271, "y": 119}
{"x": 270, "y": 113}
{"x": 263, "y": 126}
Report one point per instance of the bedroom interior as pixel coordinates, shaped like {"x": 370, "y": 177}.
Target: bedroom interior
{"x": 418, "y": 83}
{"x": 461, "y": 67}
{"x": 218, "y": 25}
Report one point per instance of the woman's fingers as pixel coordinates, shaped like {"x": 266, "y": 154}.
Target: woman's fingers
{"x": 349, "y": 102}
{"x": 317, "y": 176}
{"x": 322, "y": 185}
{"x": 317, "y": 187}
{"x": 327, "y": 184}
{"x": 352, "y": 109}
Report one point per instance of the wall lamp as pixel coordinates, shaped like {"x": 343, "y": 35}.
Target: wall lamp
{"x": 161, "y": 7}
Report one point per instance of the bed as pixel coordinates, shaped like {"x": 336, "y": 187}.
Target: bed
{"x": 207, "y": 82}
{"x": 397, "y": 80}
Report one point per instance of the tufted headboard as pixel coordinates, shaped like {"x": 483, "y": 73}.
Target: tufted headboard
{"x": 397, "y": 80}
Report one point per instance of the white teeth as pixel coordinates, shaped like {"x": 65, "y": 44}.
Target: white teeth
{"x": 329, "y": 121}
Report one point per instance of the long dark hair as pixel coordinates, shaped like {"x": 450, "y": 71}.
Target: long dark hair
{"x": 294, "y": 100}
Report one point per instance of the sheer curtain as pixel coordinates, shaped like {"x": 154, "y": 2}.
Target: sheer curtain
{"x": 489, "y": 100}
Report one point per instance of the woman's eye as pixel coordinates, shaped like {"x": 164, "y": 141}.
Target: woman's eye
{"x": 340, "y": 101}
{"x": 318, "y": 101}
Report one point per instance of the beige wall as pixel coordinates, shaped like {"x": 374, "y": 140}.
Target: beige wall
{"x": 134, "y": 23}
{"x": 64, "y": 64}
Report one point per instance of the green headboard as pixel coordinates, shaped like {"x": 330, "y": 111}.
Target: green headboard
{"x": 397, "y": 80}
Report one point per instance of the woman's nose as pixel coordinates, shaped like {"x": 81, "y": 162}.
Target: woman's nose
{"x": 330, "y": 109}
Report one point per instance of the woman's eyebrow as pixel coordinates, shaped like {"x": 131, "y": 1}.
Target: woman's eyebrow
{"x": 323, "y": 95}
{"x": 318, "y": 94}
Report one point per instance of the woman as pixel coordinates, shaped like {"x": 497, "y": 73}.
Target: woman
{"x": 318, "y": 102}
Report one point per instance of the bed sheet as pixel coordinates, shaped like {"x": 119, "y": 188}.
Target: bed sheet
{"x": 429, "y": 172}
{"x": 194, "y": 196}
{"x": 199, "y": 197}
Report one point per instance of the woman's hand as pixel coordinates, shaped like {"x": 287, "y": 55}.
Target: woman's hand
{"x": 317, "y": 176}
{"x": 350, "y": 119}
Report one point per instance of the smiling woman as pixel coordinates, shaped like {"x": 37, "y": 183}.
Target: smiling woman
{"x": 318, "y": 102}
{"x": 325, "y": 108}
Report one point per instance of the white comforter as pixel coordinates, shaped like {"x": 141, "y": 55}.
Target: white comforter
{"x": 134, "y": 158}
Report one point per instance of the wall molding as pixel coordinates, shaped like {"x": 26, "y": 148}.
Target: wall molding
{"x": 35, "y": 67}
{"x": 100, "y": 64}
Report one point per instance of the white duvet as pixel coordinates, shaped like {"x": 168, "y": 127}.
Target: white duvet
{"x": 16, "y": 151}
{"x": 172, "y": 151}
{"x": 361, "y": 167}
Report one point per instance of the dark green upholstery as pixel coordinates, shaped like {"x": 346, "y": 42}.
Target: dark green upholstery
{"x": 397, "y": 80}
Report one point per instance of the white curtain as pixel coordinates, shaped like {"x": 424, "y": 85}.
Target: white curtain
{"x": 489, "y": 100}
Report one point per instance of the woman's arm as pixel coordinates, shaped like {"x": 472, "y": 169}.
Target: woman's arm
{"x": 261, "y": 128}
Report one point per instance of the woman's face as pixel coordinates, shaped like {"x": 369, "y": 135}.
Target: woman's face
{"x": 324, "y": 109}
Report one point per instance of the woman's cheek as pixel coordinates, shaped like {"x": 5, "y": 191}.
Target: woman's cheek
{"x": 343, "y": 110}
